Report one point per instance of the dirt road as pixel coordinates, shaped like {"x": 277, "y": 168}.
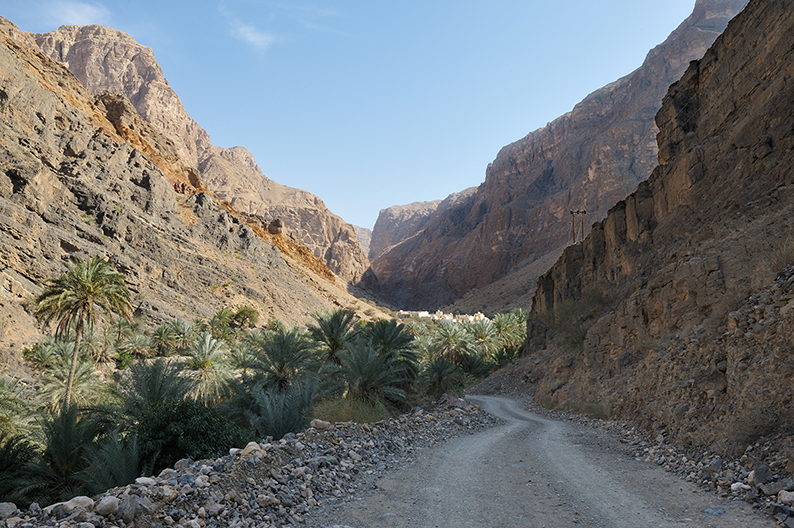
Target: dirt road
{"x": 534, "y": 472}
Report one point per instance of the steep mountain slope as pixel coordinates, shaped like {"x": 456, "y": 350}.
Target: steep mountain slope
{"x": 689, "y": 272}
{"x": 587, "y": 159}
{"x": 83, "y": 176}
{"x": 107, "y": 60}
{"x": 399, "y": 222}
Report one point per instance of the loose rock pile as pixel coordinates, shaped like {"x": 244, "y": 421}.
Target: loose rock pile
{"x": 265, "y": 484}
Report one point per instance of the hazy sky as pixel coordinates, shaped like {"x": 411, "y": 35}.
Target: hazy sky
{"x": 374, "y": 103}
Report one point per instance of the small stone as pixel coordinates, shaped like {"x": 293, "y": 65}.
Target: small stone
{"x": 251, "y": 447}
{"x": 127, "y": 508}
{"x": 108, "y": 505}
{"x": 13, "y": 522}
{"x": 322, "y": 425}
{"x": 145, "y": 481}
{"x": 760, "y": 475}
{"x": 81, "y": 501}
{"x": 7, "y": 509}
{"x": 786, "y": 497}
{"x": 169, "y": 493}
{"x": 183, "y": 463}
{"x": 740, "y": 486}
{"x": 714, "y": 510}
{"x": 772, "y": 488}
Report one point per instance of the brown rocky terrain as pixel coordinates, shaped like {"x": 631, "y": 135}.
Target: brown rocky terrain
{"x": 678, "y": 308}
{"x": 82, "y": 176}
{"x": 587, "y": 159}
{"x": 107, "y": 60}
{"x": 399, "y": 222}
{"x": 364, "y": 236}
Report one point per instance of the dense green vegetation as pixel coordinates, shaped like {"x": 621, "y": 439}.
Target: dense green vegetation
{"x": 122, "y": 400}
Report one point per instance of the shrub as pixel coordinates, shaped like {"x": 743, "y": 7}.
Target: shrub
{"x": 440, "y": 376}
{"x": 180, "y": 429}
{"x": 340, "y": 409}
{"x": 274, "y": 412}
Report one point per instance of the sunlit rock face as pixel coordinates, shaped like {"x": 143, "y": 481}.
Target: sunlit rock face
{"x": 107, "y": 60}
{"x": 588, "y": 159}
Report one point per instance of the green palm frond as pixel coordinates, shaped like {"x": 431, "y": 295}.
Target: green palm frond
{"x": 332, "y": 332}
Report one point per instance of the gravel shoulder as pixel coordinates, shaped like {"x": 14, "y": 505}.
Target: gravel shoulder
{"x": 534, "y": 471}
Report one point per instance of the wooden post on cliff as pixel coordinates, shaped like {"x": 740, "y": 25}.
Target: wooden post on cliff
{"x": 573, "y": 225}
{"x": 583, "y": 212}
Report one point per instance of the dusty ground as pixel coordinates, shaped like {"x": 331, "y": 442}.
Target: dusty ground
{"x": 535, "y": 472}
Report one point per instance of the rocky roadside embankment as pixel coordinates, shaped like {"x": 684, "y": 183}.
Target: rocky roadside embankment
{"x": 268, "y": 484}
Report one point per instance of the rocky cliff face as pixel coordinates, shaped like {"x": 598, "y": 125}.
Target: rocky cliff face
{"x": 107, "y": 60}
{"x": 587, "y": 159}
{"x": 83, "y": 176}
{"x": 364, "y": 236}
{"x": 400, "y": 222}
{"x": 695, "y": 305}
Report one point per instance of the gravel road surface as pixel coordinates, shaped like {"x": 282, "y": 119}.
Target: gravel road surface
{"x": 534, "y": 472}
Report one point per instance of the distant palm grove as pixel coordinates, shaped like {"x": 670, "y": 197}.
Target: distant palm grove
{"x": 117, "y": 399}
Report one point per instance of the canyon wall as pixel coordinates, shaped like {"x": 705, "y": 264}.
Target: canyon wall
{"x": 588, "y": 159}
{"x": 84, "y": 176}
{"x": 107, "y": 60}
{"x": 686, "y": 289}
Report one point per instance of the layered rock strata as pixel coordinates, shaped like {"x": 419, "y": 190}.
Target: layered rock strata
{"x": 588, "y": 159}
{"x": 107, "y": 60}
{"x": 82, "y": 176}
{"x": 686, "y": 265}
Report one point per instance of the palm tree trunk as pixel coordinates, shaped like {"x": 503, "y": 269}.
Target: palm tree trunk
{"x": 78, "y": 334}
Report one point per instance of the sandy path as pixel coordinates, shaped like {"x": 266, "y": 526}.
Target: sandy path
{"x": 534, "y": 472}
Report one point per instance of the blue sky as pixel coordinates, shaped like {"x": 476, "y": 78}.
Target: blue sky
{"x": 369, "y": 104}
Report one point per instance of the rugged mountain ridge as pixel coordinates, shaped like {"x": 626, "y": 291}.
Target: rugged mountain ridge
{"x": 107, "y": 60}
{"x": 83, "y": 176}
{"x": 400, "y": 222}
{"x": 685, "y": 283}
{"x": 587, "y": 159}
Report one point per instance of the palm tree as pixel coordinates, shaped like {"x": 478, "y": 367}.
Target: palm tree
{"x": 184, "y": 334}
{"x": 66, "y": 438}
{"x": 511, "y": 328}
{"x": 12, "y": 406}
{"x": 273, "y": 412}
{"x": 86, "y": 389}
{"x": 87, "y": 291}
{"x": 452, "y": 343}
{"x": 16, "y": 451}
{"x": 370, "y": 377}
{"x": 136, "y": 345}
{"x": 394, "y": 341}
{"x": 282, "y": 357}
{"x": 484, "y": 336}
{"x": 163, "y": 340}
{"x": 332, "y": 333}
{"x": 147, "y": 384}
{"x": 213, "y": 374}
{"x": 440, "y": 377}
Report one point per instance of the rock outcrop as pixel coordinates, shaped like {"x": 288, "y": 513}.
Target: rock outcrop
{"x": 364, "y": 236}
{"x": 588, "y": 159}
{"x": 107, "y": 60}
{"x": 400, "y": 222}
{"x": 83, "y": 176}
{"x": 695, "y": 303}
